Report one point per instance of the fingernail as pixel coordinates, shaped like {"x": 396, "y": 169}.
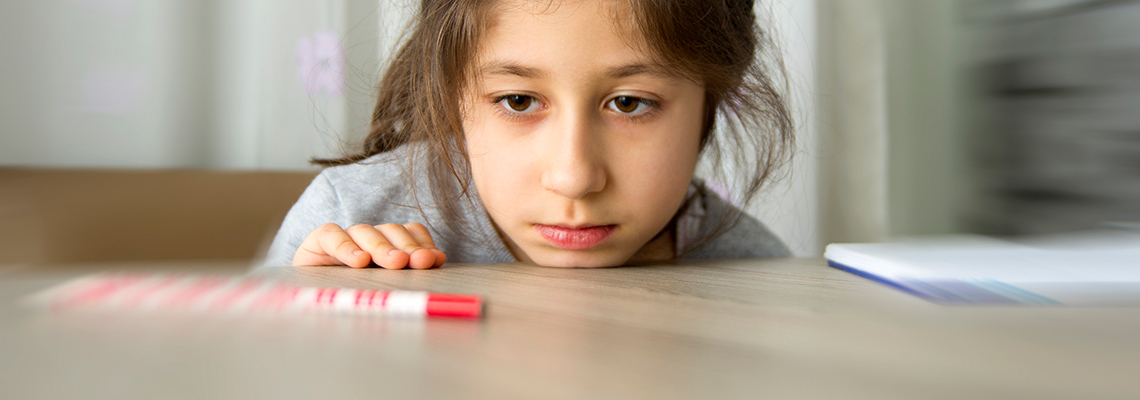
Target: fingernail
{"x": 393, "y": 252}
{"x": 357, "y": 252}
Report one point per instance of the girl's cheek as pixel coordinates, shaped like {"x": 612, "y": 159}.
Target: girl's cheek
{"x": 498, "y": 164}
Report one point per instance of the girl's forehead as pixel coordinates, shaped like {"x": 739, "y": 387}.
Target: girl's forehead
{"x": 549, "y": 33}
{"x": 613, "y": 17}
{"x": 548, "y": 7}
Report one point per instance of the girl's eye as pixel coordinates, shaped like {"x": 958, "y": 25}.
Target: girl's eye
{"x": 629, "y": 105}
{"x": 519, "y": 103}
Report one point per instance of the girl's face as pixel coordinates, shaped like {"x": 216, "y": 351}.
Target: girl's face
{"x": 581, "y": 147}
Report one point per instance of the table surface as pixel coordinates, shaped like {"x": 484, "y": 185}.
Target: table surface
{"x": 780, "y": 328}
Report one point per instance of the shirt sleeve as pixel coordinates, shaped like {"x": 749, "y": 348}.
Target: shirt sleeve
{"x": 318, "y": 205}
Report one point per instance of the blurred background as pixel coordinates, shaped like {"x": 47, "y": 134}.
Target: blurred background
{"x": 915, "y": 116}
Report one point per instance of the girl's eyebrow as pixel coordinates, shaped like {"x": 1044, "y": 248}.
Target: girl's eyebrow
{"x": 638, "y": 69}
{"x": 510, "y": 68}
{"x": 515, "y": 69}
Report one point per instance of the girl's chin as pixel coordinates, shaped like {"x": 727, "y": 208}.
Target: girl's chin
{"x": 578, "y": 259}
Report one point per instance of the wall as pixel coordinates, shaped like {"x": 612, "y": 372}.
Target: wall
{"x": 103, "y": 83}
{"x": 180, "y": 83}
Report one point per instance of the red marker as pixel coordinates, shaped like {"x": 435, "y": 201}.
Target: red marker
{"x": 244, "y": 295}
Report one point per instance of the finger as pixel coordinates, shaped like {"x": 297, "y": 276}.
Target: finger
{"x": 421, "y": 235}
{"x": 310, "y": 254}
{"x": 330, "y": 245}
{"x": 398, "y": 235}
{"x": 336, "y": 242}
{"x": 382, "y": 251}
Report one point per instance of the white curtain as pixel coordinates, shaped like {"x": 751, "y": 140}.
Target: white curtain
{"x": 853, "y": 120}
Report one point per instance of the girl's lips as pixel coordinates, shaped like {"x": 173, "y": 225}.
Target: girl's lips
{"x": 575, "y": 238}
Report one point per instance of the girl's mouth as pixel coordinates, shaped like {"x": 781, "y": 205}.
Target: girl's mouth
{"x": 575, "y": 238}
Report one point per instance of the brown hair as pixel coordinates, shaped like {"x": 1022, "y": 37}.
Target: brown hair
{"x": 716, "y": 43}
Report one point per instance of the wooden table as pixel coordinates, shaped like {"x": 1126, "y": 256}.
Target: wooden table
{"x": 785, "y": 328}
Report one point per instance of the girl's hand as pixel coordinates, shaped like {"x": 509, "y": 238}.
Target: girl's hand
{"x": 391, "y": 246}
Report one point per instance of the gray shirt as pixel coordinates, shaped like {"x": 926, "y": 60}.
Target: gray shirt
{"x": 379, "y": 191}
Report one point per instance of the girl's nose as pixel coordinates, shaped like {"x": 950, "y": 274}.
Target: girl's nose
{"x": 576, "y": 167}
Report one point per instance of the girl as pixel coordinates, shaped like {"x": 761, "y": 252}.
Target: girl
{"x": 558, "y": 133}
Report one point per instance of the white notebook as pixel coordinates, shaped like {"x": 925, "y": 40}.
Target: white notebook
{"x": 1085, "y": 269}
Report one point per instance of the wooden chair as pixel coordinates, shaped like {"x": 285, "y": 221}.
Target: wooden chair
{"x": 83, "y": 215}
